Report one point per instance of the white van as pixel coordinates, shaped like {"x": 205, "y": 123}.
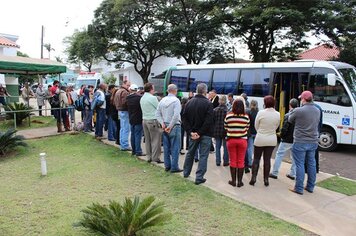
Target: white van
{"x": 88, "y": 78}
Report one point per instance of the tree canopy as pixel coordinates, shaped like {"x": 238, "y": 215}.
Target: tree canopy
{"x": 131, "y": 32}
{"x": 192, "y": 28}
{"x": 82, "y": 48}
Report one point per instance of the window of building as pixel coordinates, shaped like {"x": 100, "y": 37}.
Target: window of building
{"x": 197, "y": 77}
{"x": 225, "y": 81}
{"x": 180, "y": 78}
{"x": 255, "y": 82}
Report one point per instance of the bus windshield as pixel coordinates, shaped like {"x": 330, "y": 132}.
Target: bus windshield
{"x": 87, "y": 82}
{"x": 349, "y": 75}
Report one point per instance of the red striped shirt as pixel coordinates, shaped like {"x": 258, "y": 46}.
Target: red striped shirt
{"x": 236, "y": 125}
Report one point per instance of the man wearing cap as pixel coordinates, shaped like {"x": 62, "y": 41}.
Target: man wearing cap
{"x": 135, "y": 118}
{"x": 121, "y": 106}
{"x": 306, "y": 120}
{"x": 168, "y": 115}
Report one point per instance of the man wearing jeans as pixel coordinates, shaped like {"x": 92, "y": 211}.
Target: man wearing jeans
{"x": 168, "y": 115}
{"x": 100, "y": 111}
{"x": 198, "y": 120}
{"x": 121, "y": 106}
{"x": 305, "y": 136}
{"x": 285, "y": 144}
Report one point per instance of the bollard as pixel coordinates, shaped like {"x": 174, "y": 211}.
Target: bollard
{"x": 43, "y": 164}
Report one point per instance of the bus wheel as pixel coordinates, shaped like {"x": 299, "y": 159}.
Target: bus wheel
{"x": 327, "y": 140}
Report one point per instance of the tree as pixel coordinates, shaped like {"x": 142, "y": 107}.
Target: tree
{"x": 262, "y": 24}
{"x": 82, "y": 48}
{"x": 337, "y": 21}
{"x": 49, "y": 48}
{"x": 193, "y": 27}
{"x": 21, "y": 54}
{"x": 129, "y": 31}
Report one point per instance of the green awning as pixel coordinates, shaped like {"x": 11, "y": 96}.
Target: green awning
{"x": 29, "y": 66}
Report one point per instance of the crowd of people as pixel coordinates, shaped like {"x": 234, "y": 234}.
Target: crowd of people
{"x": 245, "y": 133}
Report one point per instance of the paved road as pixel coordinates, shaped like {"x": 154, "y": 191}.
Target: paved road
{"x": 342, "y": 161}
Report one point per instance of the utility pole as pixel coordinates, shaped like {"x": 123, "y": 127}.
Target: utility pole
{"x": 42, "y": 33}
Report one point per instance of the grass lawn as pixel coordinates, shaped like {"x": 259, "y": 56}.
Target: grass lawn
{"x": 340, "y": 185}
{"x": 82, "y": 170}
{"x": 36, "y": 122}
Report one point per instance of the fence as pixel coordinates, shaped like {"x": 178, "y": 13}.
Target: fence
{"x": 69, "y": 110}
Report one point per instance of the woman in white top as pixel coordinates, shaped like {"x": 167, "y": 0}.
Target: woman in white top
{"x": 266, "y": 124}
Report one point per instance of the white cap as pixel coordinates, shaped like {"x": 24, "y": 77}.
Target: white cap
{"x": 133, "y": 87}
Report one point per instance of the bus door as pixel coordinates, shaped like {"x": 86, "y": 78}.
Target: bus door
{"x": 287, "y": 85}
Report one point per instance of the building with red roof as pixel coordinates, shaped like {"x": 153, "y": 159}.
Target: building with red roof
{"x": 324, "y": 52}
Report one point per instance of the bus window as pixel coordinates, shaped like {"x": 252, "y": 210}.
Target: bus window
{"x": 323, "y": 92}
{"x": 180, "y": 78}
{"x": 255, "y": 82}
{"x": 199, "y": 76}
{"x": 225, "y": 81}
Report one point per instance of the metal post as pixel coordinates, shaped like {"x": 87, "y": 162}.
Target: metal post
{"x": 15, "y": 120}
{"x": 42, "y": 33}
{"x": 43, "y": 164}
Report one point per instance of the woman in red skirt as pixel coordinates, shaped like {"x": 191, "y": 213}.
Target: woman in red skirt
{"x": 237, "y": 124}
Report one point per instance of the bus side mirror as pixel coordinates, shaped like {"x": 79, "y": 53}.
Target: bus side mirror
{"x": 331, "y": 79}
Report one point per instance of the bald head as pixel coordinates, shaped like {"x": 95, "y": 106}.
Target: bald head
{"x": 172, "y": 88}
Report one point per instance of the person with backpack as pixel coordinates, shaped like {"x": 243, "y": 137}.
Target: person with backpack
{"x": 286, "y": 144}
{"x": 60, "y": 100}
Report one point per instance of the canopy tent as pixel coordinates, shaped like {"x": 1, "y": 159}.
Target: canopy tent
{"x": 29, "y": 66}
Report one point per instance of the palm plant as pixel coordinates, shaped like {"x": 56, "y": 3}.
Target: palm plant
{"x": 8, "y": 141}
{"x": 124, "y": 219}
{"x": 25, "y": 111}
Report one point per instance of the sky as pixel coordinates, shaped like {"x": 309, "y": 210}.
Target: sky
{"x": 60, "y": 18}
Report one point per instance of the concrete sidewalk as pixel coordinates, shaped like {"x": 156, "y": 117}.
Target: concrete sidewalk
{"x": 323, "y": 212}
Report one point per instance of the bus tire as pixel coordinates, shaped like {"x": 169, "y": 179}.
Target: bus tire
{"x": 327, "y": 140}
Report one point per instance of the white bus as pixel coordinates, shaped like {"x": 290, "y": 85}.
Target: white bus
{"x": 332, "y": 83}
{"x": 88, "y": 78}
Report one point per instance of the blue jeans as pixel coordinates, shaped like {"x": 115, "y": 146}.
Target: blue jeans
{"x": 136, "y": 137}
{"x": 111, "y": 129}
{"x": 87, "y": 119}
{"x": 219, "y": 142}
{"x": 282, "y": 149}
{"x": 205, "y": 143}
{"x": 71, "y": 113}
{"x": 249, "y": 151}
{"x": 171, "y": 147}
{"x": 304, "y": 153}
{"x": 124, "y": 129}
{"x": 100, "y": 120}
{"x": 197, "y": 152}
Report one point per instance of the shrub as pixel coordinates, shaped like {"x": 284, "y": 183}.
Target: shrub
{"x": 123, "y": 219}
{"x": 8, "y": 141}
{"x": 25, "y": 111}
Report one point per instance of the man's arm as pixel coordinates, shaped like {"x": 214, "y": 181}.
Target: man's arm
{"x": 185, "y": 120}
{"x": 175, "y": 119}
{"x": 159, "y": 116}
